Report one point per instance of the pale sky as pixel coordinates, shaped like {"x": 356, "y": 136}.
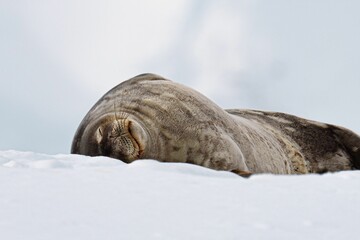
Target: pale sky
{"x": 57, "y": 58}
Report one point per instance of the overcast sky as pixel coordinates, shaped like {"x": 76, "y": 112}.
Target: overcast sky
{"x": 57, "y": 58}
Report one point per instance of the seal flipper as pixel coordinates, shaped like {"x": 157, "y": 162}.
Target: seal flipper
{"x": 242, "y": 173}
{"x": 351, "y": 142}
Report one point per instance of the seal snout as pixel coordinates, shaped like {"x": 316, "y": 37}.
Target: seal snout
{"x": 121, "y": 138}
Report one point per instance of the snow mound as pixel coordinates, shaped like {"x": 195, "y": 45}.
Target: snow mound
{"x": 16, "y": 159}
{"x": 77, "y": 197}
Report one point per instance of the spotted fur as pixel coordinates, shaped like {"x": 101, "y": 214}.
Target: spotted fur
{"x": 149, "y": 116}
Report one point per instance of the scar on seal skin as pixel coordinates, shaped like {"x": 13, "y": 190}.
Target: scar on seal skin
{"x": 150, "y": 117}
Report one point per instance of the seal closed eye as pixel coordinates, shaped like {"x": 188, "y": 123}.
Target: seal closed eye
{"x": 155, "y": 118}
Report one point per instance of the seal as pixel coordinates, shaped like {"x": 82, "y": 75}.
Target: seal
{"x": 150, "y": 117}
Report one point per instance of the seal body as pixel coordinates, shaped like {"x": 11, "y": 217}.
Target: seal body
{"x": 150, "y": 117}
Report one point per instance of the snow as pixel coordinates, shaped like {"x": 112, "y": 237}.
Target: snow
{"x": 78, "y": 197}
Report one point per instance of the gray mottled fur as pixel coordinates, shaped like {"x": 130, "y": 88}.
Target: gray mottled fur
{"x": 174, "y": 123}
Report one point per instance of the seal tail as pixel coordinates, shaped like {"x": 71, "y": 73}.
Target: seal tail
{"x": 351, "y": 142}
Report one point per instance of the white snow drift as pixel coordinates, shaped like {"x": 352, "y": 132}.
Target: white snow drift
{"x": 77, "y": 197}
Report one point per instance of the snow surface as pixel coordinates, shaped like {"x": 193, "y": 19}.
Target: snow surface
{"x": 77, "y": 197}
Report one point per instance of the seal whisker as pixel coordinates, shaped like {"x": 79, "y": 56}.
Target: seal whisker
{"x": 120, "y": 124}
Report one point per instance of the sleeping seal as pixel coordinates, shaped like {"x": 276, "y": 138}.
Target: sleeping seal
{"x": 150, "y": 117}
